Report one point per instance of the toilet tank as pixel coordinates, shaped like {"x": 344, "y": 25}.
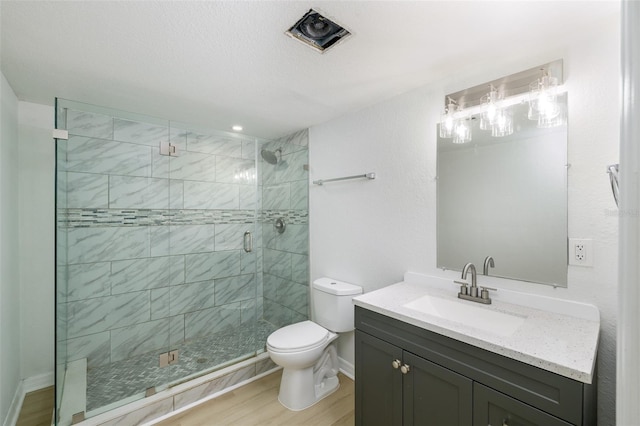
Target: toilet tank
{"x": 332, "y": 305}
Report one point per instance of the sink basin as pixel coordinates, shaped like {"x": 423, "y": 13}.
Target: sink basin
{"x": 480, "y": 317}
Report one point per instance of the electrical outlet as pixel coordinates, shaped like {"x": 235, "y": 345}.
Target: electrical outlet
{"x": 580, "y": 252}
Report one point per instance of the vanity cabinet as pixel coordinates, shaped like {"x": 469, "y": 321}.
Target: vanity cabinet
{"x": 441, "y": 381}
{"x": 414, "y": 390}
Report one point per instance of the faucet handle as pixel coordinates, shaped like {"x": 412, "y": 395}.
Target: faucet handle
{"x": 463, "y": 286}
{"x": 484, "y": 292}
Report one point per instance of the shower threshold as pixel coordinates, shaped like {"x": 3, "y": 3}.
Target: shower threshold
{"x": 125, "y": 381}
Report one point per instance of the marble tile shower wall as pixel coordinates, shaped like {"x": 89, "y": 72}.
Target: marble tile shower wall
{"x": 151, "y": 246}
{"x": 285, "y": 193}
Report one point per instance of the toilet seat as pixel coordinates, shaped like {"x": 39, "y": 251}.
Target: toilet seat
{"x": 298, "y": 337}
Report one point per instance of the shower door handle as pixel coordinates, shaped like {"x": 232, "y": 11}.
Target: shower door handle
{"x": 248, "y": 242}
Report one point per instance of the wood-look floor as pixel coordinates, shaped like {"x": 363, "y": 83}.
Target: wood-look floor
{"x": 37, "y": 408}
{"x": 253, "y": 404}
{"x": 257, "y": 404}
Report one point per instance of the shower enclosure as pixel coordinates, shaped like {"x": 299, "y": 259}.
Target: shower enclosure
{"x": 169, "y": 262}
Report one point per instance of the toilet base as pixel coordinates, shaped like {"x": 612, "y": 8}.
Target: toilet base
{"x": 298, "y": 392}
{"x": 327, "y": 387}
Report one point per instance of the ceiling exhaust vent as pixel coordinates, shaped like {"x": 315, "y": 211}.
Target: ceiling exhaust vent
{"x": 317, "y": 32}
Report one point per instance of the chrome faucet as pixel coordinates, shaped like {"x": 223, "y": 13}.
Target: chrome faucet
{"x": 488, "y": 262}
{"x": 472, "y": 293}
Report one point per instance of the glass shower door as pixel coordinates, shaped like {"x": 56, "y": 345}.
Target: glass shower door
{"x": 158, "y": 256}
{"x": 213, "y": 212}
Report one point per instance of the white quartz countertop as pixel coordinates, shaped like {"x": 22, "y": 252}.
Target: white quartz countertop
{"x": 548, "y": 338}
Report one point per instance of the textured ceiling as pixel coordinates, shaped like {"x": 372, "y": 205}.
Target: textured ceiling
{"x": 219, "y": 63}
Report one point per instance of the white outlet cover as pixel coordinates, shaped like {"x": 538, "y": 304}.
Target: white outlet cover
{"x": 578, "y": 256}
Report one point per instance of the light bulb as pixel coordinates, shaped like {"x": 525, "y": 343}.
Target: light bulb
{"x": 462, "y": 131}
{"x": 446, "y": 121}
{"x": 503, "y": 125}
{"x": 547, "y": 106}
{"x": 491, "y": 111}
{"x": 542, "y": 98}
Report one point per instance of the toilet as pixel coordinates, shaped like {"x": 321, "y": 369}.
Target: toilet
{"x": 307, "y": 351}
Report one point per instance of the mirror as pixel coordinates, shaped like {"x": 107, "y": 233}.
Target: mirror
{"x": 506, "y": 198}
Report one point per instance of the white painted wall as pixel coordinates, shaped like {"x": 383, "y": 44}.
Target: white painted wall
{"x": 10, "y": 352}
{"x": 37, "y": 199}
{"x": 371, "y": 232}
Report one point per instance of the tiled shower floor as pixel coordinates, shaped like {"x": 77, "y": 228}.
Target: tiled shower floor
{"x": 116, "y": 381}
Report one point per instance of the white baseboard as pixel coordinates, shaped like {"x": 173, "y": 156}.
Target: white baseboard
{"x": 38, "y": 382}
{"x": 25, "y": 386}
{"x": 16, "y": 404}
{"x": 347, "y": 368}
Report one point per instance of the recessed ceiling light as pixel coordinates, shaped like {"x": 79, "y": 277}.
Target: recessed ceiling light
{"x": 317, "y": 31}
{"x": 236, "y": 128}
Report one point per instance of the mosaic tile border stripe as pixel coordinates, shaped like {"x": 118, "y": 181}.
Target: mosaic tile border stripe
{"x": 291, "y": 217}
{"x": 89, "y": 218}
{"x": 94, "y": 218}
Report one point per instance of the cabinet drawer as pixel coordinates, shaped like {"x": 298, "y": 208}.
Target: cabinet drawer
{"x": 492, "y": 408}
{"x": 560, "y": 396}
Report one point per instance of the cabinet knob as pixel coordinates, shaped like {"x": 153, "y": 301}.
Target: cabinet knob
{"x": 396, "y": 363}
{"x": 405, "y": 369}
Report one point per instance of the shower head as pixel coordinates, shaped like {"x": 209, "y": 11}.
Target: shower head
{"x": 271, "y": 157}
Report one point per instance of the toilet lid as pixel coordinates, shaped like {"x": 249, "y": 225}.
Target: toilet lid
{"x": 298, "y": 336}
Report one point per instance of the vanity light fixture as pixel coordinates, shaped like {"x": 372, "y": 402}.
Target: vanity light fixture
{"x": 493, "y": 107}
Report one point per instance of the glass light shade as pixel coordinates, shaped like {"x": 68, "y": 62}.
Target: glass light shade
{"x": 502, "y": 125}
{"x": 446, "y": 125}
{"x": 447, "y": 122}
{"x": 462, "y": 131}
{"x": 558, "y": 120}
{"x": 543, "y": 98}
{"x": 490, "y": 109}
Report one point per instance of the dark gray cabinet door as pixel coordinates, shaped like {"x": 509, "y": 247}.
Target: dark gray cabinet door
{"x": 434, "y": 395}
{"x": 492, "y": 408}
{"x": 378, "y": 384}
